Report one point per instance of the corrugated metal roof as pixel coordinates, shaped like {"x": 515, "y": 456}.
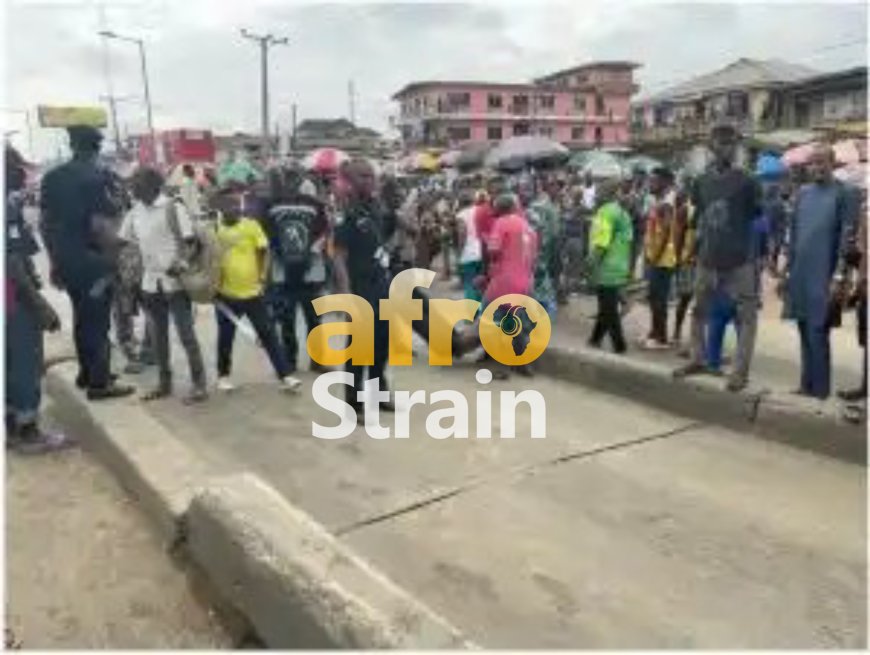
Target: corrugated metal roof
{"x": 743, "y": 73}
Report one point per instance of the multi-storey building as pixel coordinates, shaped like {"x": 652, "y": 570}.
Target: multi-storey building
{"x": 587, "y": 105}
{"x": 758, "y": 96}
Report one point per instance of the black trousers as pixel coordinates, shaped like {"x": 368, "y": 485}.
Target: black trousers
{"x": 659, "y": 294}
{"x": 92, "y": 321}
{"x": 284, "y": 300}
{"x": 258, "y": 314}
{"x": 608, "y": 322}
{"x": 377, "y": 369}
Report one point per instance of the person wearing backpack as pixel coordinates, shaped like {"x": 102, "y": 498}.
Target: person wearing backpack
{"x": 296, "y": 225}
{"x": 162, "y": 229}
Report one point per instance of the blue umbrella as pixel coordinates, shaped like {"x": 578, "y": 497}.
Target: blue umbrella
{"x": 769, "y": 166}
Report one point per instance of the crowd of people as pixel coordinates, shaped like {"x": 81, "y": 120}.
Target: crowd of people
{"x": 260, "y": 249}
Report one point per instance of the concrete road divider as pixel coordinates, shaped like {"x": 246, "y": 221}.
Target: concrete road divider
{"x": 293, "y": 581}
{"x": 159, "y": 471}
{"x": 795, "y": 421}
{"x": 300, "y": 586}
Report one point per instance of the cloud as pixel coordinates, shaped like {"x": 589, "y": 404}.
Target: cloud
{"x": 203, "y": 74}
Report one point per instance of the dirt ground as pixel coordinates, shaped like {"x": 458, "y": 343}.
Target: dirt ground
{"x": 85, "y": 571}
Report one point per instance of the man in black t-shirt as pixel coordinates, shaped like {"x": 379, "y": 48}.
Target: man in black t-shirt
{"x": 297, "y": 227}
{"x": 362, "y": 267}
{"x": 726, "y": 201}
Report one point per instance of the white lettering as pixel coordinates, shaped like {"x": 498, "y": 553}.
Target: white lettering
{"x": 334, "y": 404}
{"x": 458, "y": 412}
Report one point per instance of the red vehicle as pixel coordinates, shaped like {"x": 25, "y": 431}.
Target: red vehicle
{"x": 185, "y": 146}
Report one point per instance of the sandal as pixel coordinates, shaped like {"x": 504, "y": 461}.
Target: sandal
{"x": 156, "y": 394}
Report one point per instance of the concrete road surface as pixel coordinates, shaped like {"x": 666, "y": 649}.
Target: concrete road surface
{"x": 625, "y": 527}
{"x": 83, "y": 569}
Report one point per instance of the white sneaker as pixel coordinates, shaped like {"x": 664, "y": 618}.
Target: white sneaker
{"x": 290, "y": 384}
{"x": 225, "y": 384}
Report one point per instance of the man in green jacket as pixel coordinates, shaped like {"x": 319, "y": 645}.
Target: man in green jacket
{"x": 610, "y": 262}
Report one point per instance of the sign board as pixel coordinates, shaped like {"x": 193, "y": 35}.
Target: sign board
{"x": 51, "y": 116}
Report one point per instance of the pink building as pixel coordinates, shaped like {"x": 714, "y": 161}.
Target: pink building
{"x": 583, "y": 106}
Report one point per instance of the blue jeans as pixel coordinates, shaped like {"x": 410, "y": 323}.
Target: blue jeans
{"x": 815, "y": 359}
{"x": 722, "y": 311}
{"x": 23, "y": 366}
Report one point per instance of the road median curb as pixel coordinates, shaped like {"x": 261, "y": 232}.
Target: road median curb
{"x": 298, "y": 584}
{"x": 292, "y": 580}
{"x": 153, "y": 466}
{"x": 759, "y": 412}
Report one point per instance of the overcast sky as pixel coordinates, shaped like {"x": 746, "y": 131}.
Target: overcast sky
{"x": 203, "y": 74}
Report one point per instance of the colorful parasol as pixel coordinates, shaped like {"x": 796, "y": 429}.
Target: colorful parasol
{"x": 325, "y": 160}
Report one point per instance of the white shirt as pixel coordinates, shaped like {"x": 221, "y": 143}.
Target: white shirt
{"x": 148, "y": 227}
{"x": 589, "y": 197}
{"x": 190, "y": 196}
{"x": 472, "y": 250}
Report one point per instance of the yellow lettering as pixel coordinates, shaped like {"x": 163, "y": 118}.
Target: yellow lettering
{"x": 444, "y": 314}
{"x": 361, "y": 330}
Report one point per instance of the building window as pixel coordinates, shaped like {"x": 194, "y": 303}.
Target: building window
{"x": 521, "y": 129}
{"x": 600, "y": 107}
{"x": 546, "y": 131}
{"x": 459, "y": 133}
{"x": 599, "y": 136}
{"x": 493, "y": 132}
{"x": 494, "y": 101}
{"x": 580, "y": 103}
{"x": 547, "y": 102}
{"x": 520, "y": 104}
{"x": 578, "y": 134}
{"x": 457, "y": 102}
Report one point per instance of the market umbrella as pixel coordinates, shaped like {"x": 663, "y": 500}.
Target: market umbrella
{"x": 850, "y": 151}
{"x": 641, "y": 162}
{"x": 324, "y": 160}
{"x": 769, "y": 167}
{"x": 599, "y": 164}
{"x": 854, "y": 174}
{"x": 240, "y": 171}
{"x": 521, "y": 151}
{"x": 799, "y": 155}
{"x": 423, "y": 161}
{"x": 472, "y": 156}
{"x": 449, "y": 158}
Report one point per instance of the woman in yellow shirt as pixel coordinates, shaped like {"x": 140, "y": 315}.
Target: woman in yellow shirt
{"x": 661, "y": 256}
{"x": 244, "y": 263}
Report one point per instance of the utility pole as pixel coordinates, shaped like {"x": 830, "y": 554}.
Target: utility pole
{"x": 264, "y": 41}
{"x": 293, "y": 128}
{"x": 158, "y": 152}
{"x": 107, "y": 72}
{"x": 351, "y": 101}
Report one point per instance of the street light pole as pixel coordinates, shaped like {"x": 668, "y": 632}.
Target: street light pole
{"x": 158, "y": 152}
{"x": 264, "y": 41}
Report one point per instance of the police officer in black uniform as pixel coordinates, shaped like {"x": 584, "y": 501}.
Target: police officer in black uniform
{"x": 78, "y": 219}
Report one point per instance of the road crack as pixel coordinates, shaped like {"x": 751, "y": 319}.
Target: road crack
{"x": 511, "y": 474}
